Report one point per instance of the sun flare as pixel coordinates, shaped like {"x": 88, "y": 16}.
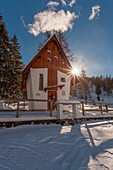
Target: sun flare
{"x": 75, "y": 71}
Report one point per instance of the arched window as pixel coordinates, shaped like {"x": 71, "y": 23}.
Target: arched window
{"x": 41, "y": 79}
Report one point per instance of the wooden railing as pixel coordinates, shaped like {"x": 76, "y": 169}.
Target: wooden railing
{"x": 102, "y": 107}
{"x": 17, "y": 103}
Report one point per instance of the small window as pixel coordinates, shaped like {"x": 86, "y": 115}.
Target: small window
{"x": 49, "y": 51}
{"x": 63, "y": 93}
{"x": 55, "y": 57}
{"x": 41, "y": 79}
{"x": 39, "y": 56}
{"x": 63, "y": 79}
{"x": 49, "y": 59}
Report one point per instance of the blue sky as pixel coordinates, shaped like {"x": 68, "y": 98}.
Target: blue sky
{"x": 89, "y": 29}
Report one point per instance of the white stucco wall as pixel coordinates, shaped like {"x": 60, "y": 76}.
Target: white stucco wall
{"x": 29, "y": 90}
{"x": 33, "y": 87}
{"x": 63, "y": 94}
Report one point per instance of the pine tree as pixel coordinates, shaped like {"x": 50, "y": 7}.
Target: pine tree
{"x": 98, "y": 91}
{"x": 5, "y": 60}
{"x": 84, "y": 86}
{"x": 17, "y": 67}
{"x": 64, "y": 43}
{"x": 9, "y": 65}
{"x": 108, "y": 85}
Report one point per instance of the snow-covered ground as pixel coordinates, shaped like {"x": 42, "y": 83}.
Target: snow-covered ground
{"x": 51, "y": 147}
{"x": 85, "y": 146}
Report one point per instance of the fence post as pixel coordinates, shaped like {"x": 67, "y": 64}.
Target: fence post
{"x": 51, "y": 107}
{"x": 83, "y": 108}
{"x": 17, "y": 112}
{"x": 106, "y": 108}
{"x": 24, "y": 103}
{"x": 101, "y": 109}
{"x": 74, "y": 110}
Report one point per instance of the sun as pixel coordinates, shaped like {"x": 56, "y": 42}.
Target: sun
{"x": 75, "y": 71}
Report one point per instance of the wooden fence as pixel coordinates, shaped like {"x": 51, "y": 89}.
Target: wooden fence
{"x": 102, "y": 107}
{"x": 17, "y": 103}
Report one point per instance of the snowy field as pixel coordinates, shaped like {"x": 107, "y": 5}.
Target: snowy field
{"x": 51, "y": 147}
{"x": 85, "y": 146}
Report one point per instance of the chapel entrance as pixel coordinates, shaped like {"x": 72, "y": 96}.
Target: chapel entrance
{"x": 52, "y": 95}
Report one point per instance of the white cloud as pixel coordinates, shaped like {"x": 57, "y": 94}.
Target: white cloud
{"x": 63, "y": 2}
{"x": 72, "y": 3}
{"x": 52, "y": 4}
{"x": 51, "y": 20}
{"x": 21, "y": 18}
{"x": 95, "y": 11}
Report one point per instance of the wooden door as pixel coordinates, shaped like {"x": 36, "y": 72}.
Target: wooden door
{"x": 52, "y": 95}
